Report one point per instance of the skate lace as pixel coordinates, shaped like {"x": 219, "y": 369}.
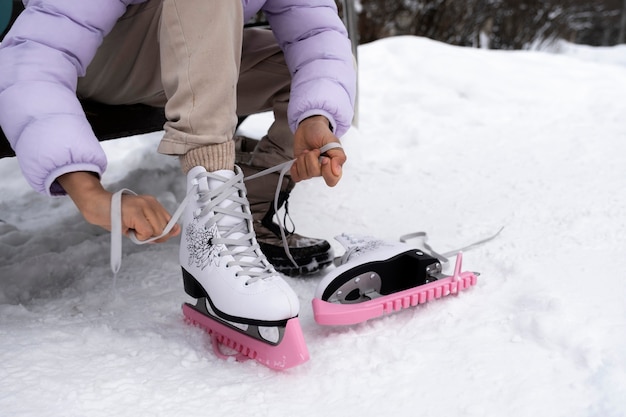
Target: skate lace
{"x": 243, "y": 248}
{"x": 444, "y": 257}
{"x": 284, "y": 169}
{"x": 238, "y": 237}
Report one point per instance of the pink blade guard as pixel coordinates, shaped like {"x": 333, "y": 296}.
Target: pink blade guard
{"x": 291, "y": 351}
{"x": 333, "y": 314}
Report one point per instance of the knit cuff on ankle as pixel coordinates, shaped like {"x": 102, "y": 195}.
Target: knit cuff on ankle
{"x": 211, "y": 157}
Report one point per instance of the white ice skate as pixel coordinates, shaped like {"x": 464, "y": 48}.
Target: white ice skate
{"x": 377, "y": 277}
{"x": 240, "y": 299}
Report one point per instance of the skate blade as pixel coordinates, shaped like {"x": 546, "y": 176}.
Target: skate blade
{"x": 335, "y": 311}
{"x": 290, "y": 351}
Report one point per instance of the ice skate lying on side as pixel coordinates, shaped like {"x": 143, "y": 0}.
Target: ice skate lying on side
{"x": 377, "y": 277}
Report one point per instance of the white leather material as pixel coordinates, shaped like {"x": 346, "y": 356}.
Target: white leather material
{"x": 253, "y": 290}
{"x": 360, "y": 250}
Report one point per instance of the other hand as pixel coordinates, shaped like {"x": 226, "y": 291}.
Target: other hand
{"x": 312, "y": 134}
{"x": 142, "y": 213}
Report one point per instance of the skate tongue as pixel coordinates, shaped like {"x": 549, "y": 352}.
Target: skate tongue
{"x": 235, "y": 223}
{"x": 216, "y": 181}
{"x": 197, "y": 176}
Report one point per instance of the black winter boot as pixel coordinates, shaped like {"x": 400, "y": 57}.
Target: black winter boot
{"x": 310, "y": 254}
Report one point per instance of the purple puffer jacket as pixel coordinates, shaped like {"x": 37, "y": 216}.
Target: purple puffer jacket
{"x": 53, "y": 41}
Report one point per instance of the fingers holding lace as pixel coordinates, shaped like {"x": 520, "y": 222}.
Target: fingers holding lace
{"x": 313, "y": 163}
{"x": 332, "y": 163}
{"x": 146, "y": 217}
{"x": 306, "y": 166}
{"x": 313, "y": 135}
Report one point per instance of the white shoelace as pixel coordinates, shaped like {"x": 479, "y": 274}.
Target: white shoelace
{"x": 443, "y": 257}
{"x": 284, "y": 169}
{"x": 247, "y": 255}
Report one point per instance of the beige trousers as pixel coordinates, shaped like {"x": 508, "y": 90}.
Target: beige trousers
{"x": 194, "y": 58}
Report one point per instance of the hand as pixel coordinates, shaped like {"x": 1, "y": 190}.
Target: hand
{"x": 143, "y": 213}
{"x": 313, "y": 133}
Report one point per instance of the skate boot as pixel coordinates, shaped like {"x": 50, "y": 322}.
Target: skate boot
{"x": 310, "y": 254}
{"x": 240, "y": 298}
{"x": 376, "y": 277}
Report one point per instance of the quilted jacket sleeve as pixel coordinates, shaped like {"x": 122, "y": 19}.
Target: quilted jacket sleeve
{"x": 319, "y": 56}
{"x": 47, "y": 49}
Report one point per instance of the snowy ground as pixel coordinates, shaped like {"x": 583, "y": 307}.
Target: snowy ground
{"x": 457, "y": 142}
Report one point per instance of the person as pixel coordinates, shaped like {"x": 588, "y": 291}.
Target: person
{"x": 195, "y": 58}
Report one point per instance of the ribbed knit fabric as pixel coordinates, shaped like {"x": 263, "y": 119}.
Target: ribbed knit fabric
{"x": 211, "y": 157}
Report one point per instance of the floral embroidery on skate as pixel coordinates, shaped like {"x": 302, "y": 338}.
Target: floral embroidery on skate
{"x": 202, "y": 252}
{"x": 357, "y": 245}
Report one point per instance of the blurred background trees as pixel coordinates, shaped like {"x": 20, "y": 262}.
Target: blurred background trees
{"x": 496, "y": 24}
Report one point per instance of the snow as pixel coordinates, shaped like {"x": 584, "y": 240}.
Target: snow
{"x": 457, "y": 142}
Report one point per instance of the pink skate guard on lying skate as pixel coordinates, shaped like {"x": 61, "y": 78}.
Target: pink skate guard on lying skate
{"x": 290, "y": 352}
{"x": 329, "y": 313}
